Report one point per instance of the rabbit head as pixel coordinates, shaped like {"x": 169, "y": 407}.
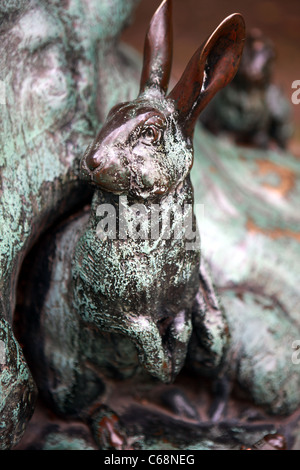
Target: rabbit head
{"x": 144, "y": 148}
{"x": 256, "y": 67}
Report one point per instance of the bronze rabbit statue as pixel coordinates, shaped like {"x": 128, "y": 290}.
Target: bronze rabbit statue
{"x": 129, "y": 300}
{"x": 118, "y": 294}
{"x": 253, "y": 109}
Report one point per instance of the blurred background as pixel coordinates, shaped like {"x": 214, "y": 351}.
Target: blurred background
{"x": 194, "y": 21}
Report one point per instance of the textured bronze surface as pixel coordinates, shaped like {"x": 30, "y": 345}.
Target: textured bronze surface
{"x": 108, "y": 315}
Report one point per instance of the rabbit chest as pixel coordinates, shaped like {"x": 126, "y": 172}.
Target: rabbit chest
{"x": 141, "y": 257}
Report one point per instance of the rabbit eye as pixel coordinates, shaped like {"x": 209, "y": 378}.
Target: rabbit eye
{"x": 151, "y": 135}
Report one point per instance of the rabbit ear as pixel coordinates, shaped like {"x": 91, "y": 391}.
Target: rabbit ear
{"x": 158, "y": 49}
{"x": 211, "y": 68}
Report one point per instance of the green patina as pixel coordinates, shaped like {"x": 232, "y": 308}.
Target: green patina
{"x": 257, "y": 272}
{"x": 46, "y": 123}
{"x": 61, "y": 441}
{"x": 61, "y": 78}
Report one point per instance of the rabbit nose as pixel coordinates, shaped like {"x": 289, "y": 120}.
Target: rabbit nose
{"x": 92, "y": 159}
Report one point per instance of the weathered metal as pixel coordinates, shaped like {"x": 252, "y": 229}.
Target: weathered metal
{"x": 143, "y": 288}
{"x": 253, "y": 110}
{"x": 54, "y": 70}
{"x": 108, "y": 301}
